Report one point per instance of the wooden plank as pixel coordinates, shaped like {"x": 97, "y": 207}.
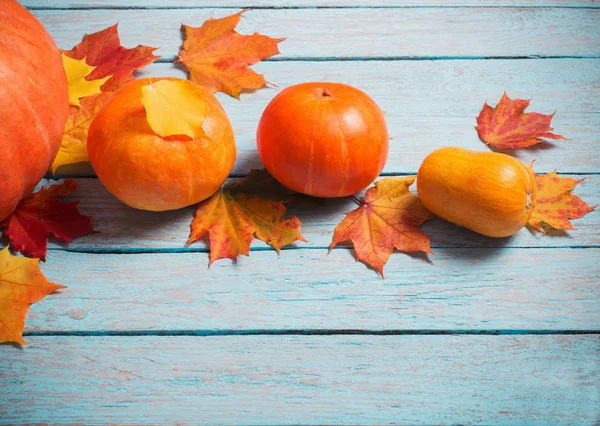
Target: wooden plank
{"x": 508, "y": 380}
{"x": 316, "y": 33}
{"x": 462, "y": 289}
{"x": 121, "y": 227}
{"x": 431, "y": 104}
{"x": 147, "y": 4}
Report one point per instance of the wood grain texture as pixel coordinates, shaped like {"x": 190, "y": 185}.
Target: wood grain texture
{"x": 431, "y": 104}
{"x": 318, "y": 33}
{"x": 121, "y": 227}
{"x": 508, "y": 380}
{"x": 483, "y": 289}
{"x": 148, "y": 4}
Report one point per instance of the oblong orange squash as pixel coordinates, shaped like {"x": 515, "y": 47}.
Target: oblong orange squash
{"x": 490, "y": 193}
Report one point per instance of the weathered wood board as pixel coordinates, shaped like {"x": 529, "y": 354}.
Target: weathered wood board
{"x": 501, "y": 288}
{"x": 508, "y": 380}
{"x": 431, "y": 104}
{"x": 359, "y": 32}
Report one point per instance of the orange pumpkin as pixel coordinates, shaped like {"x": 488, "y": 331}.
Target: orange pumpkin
{"x": 34, "y": 103}
{"x": 323, "y": 139}
{"x": 150, "y": 172}
{"x": 489, "y": 193}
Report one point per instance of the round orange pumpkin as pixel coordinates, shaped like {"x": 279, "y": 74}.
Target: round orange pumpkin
{"x": 323, "y": 139}
{"x": 150, "y": 172}
{"x": 490, "y": 193}
{"x": 34, "y": 103}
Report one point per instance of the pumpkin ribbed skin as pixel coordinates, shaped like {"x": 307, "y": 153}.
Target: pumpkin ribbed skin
{"x": 149, "y": 172}
{"x": 323, "y": 139}
{"x": 34, "y": 103}
{"x": 490, "y": 193}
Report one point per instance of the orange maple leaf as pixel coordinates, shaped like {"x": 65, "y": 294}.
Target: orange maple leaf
{"x": 41, "y": 214}
{"x": 391, "y": 217}
{"x": 21, "y": 284}
{"x": 556, "y": 204}
{"x": 507, "y": 126}
{"x": 236, "y": 214}
{"x": 103, "y": 50}
{"x": 218, "y": 57}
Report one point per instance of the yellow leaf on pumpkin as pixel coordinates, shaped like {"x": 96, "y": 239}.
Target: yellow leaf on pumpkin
{"x": 175, "y": 108}
{"x": 77, "y": 70}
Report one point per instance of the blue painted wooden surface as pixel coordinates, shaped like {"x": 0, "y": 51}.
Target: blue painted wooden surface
{"x": 489, "y": 331}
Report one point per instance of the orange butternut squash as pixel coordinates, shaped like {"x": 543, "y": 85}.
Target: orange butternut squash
{"x": 490, "y": 193}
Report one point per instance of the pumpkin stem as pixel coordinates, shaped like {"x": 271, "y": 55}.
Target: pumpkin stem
{"x": 323, "y": 93}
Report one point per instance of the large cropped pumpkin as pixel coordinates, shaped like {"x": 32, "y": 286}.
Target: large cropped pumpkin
{"x": 34, "y": 103}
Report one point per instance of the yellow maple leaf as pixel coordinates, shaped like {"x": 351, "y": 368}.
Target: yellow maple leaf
{"x": 73, "y": 147}
{"x": 555, "y": 204}
{"x": 175, "y": 107}
{"x": 77, "y": 70}
{"x": 21, "y": 284}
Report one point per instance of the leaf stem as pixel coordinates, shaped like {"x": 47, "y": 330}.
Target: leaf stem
{"x": 360, "y": 203}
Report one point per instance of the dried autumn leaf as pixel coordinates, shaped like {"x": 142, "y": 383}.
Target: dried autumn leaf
{"x": 556, "y": 204}
{"x": 21, "y": 284}
{"x": 391, "y": 217}
{"x": 79, "y": 87}
{"x": 112, "y": 63}
{"x": 73, "y": 147}
{"x": 174, "y": 107}
{"x": 103, "y": 50}
{"x": 218, "y": 57}
{"x": 507, "y": 126}
{"x": 234, "y": 216}
{"x": 41, "y": 214}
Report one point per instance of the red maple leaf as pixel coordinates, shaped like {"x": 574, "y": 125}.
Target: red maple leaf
{"x": 41, "y": 214}
{"x": 104, "y": 51}
{"x": 507, "y": 126}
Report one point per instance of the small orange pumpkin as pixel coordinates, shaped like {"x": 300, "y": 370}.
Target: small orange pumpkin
{"x": 323, "y": 139}
{"x": 150, "y": 172}
{"x": 489, "y": 193}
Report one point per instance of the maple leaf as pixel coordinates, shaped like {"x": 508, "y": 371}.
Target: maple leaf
{"x": 41, "y": 214}
{"x": 391, "y": 217}
{"x": 109, "y": 63}
{"x": 234, "y": 216}
{"x": 175, "y": 107}
{"x": 103, "y": 50}
{"x": 21, "y": 284}
{"x": 556, "y": 204}
{"x": 77, "y": 71}
{"x": 73, "y": 147}
{"x": 218, "y": 57}
{"x": 507, "y": 126}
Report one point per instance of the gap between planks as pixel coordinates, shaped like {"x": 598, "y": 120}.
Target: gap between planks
{"x": 311, "y": 332}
